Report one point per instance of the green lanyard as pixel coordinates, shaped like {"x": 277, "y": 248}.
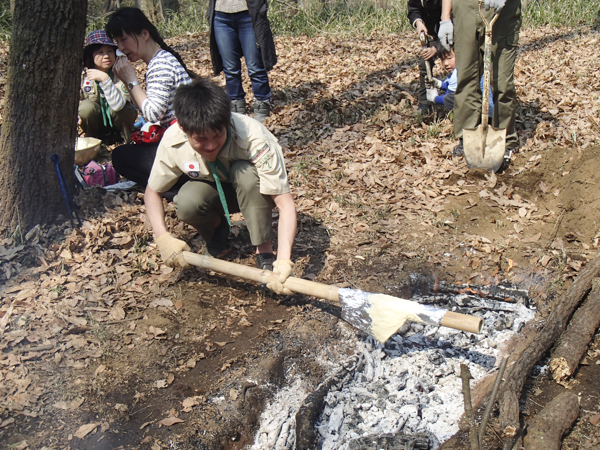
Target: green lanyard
{"x": 104, "y": 108}
{"x": 213, "y": 167}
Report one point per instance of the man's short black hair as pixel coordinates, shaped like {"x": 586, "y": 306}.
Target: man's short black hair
{"x": 202, "y": 106}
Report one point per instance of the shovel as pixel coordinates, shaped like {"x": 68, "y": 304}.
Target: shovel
{"x": 379, "y": 315}
{"x": 424, "y": 45}
{"x": 484, "y": 146}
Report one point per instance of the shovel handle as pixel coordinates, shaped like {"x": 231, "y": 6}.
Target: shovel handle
{"x": 487, "y": 66}
{"x": 299, "y": 285}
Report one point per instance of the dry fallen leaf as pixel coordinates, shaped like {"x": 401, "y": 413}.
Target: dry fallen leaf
{"x": 70, "y": 405}
{"x": 84, "y": 430}
{"x": 189, "y": 403}
{"x": 170, "y": 421}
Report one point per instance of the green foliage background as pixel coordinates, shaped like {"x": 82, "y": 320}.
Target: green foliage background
{"x": 337, "y": 17}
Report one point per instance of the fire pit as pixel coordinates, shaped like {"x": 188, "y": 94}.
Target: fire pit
{"x": 405, "y": 392}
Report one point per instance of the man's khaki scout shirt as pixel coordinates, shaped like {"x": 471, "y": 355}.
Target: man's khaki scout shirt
{"x": 247, "y": 140}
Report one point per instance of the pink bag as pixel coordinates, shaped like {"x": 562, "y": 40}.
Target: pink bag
{"x": 95, "y": 174}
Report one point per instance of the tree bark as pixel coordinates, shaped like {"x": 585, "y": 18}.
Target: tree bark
{"x": 535, "y": 345}
{"x": 546, "y": 429}
{"x": 40, "y": 113}
{"x": 148, "y": 8}
{"x": 574, "y": 342}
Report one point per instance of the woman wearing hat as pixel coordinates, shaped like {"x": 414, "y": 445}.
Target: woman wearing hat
{"x": 104, "y": 105}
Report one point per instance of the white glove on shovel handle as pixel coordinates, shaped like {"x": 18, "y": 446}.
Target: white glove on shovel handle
{"x": 432, "y": 94}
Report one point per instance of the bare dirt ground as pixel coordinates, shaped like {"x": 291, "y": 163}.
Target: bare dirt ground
{"x": 104, "y": 347}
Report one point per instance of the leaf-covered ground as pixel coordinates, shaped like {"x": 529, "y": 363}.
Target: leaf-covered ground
{"x": 102, "y": 346}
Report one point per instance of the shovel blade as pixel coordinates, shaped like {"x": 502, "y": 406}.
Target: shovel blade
{"x": 484, "y": 147}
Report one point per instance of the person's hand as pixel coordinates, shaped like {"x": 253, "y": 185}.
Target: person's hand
{"x": 432, "y": 94}
{"x": 124, "y": 70}
{"x": 446, "y": 33}
{"x": 170, "y": 250}
{"x": 429, "y": 53}
{"x": 437, "y": 83}
{"x": 420, "y": 27}
{"x": 97, "y": 75}
{"x": 495, "y": 4}
{"x": 283, "y": 268}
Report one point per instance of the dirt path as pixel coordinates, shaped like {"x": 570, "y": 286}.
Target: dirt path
{"x": 132, "y": 343}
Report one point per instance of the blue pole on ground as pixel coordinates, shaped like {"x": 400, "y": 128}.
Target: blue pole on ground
{"x": 66, "y": 193}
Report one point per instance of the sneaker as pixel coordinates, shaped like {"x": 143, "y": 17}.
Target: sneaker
{"x": 238, "y": 106}
{"x": 459, "y": 150}
{"x": 219, "y": 242}
{"x": 261, "y": 110}
{"x": 264, "y": 261}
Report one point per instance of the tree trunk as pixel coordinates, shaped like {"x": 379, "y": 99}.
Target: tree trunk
{"x": 148, "y": 8}
{"x": 40, "y": 113}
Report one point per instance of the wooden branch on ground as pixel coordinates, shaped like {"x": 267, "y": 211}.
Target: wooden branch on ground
{"x": 492, "y": 400}
{"x": 574, "y": 342}
{"x": 531, "y": 349}
{"x": 465, "y": 376}
{"x": 546, "y": 429}
{"x": 38, "y": 348}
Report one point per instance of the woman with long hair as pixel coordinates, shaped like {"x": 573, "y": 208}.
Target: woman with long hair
{"x": 138, "y": 39}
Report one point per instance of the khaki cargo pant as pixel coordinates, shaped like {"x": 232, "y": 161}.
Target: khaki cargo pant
{"x": 198, "y": 203}
{"x": 469, "y": 35}
{"x": 91, "y": 119}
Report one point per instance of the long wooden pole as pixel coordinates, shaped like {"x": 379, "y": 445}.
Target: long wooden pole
{"x": 326, "y": 292}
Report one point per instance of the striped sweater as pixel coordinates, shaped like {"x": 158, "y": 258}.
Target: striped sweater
{"x": 163, "y": 76}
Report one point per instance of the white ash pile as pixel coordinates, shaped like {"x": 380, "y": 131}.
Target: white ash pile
{"x": 410, "y": 388}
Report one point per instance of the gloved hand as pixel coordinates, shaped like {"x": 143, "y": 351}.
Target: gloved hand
{"x": 446, "y": 32}
{"x": 432, "y": 94}
{"x": 496, "y": 4}
{"x": 437, "y": 83}
{"x": 170, "y": 250}
{"x": 284, "y": 268}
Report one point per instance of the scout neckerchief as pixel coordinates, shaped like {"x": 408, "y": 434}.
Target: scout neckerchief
{"x": 104, "y": 108}
{"x": 218, "y": 165}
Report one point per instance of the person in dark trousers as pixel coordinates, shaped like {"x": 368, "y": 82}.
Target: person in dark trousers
{"x": 138, "y": 39}
{"x": 424, "y": 16}
{"x": 241, "y": 28}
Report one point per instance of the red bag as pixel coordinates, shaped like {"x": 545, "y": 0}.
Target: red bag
{"x": 95, "y": 174}
{"x": 152, "y": 136}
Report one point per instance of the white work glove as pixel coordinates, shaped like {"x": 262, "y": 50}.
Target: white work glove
{"x": 432, "y": 94}
{"x": 437, "y": 83}
{"x": 495, "y": 4}
{"x": 283, "y": 268}
{"x": 170, "y": 250}
{"x": 446, "y": 32}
